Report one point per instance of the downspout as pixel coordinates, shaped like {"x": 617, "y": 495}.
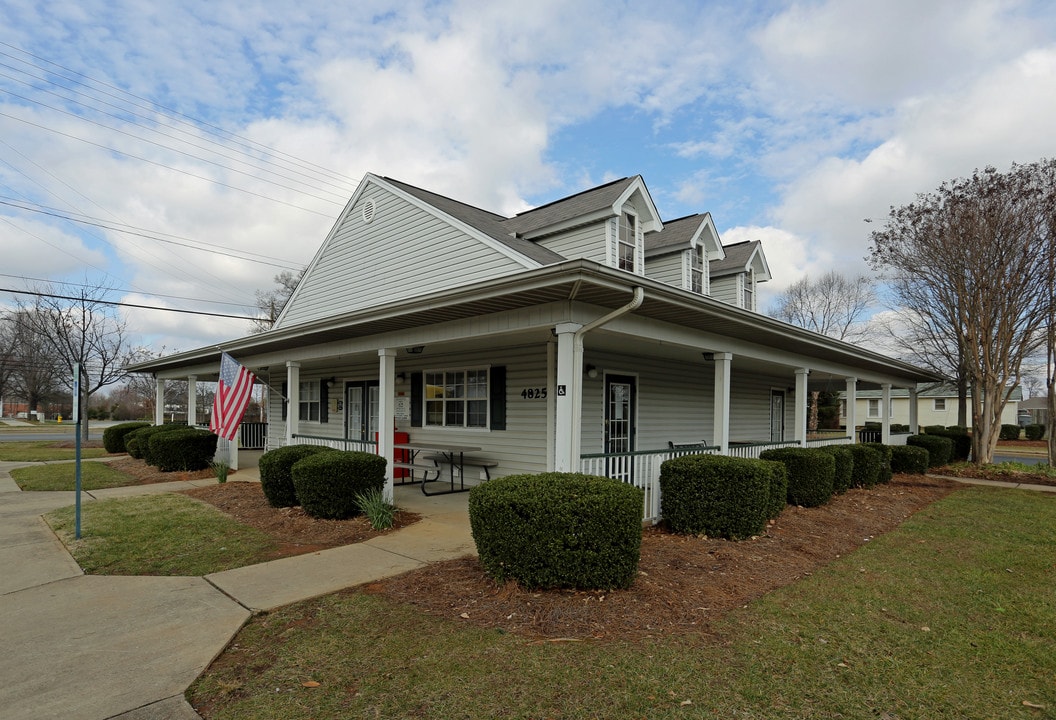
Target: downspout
{"x": 577, "y": 363}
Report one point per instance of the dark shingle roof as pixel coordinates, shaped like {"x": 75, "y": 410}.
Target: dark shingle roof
{"x": 736, "y": 260}
{"x": 675, "y": 235}
{"x": 577, "y": 205}
{"x": 931, "y": 390}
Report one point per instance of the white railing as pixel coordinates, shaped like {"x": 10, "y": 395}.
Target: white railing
{"x": 641, "y": 469}
{"x": 831, "y": 440}
{"x": 336, "y": 443}
{"x": 253, "y": 436}
{"x": 753, "y": 450}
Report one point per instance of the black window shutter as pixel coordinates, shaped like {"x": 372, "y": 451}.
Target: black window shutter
{"x": 324, "y": 402}
{"x": 497, "y": 390}
{"x": 285, "y": 398}
{"x": 417, "y": 390}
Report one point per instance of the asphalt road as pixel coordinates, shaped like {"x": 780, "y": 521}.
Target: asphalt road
{"x": 51, "y": 433}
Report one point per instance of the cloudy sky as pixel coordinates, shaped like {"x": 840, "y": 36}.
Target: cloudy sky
{"x": 185, "y": 152}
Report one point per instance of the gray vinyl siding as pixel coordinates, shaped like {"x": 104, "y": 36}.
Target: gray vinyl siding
{"x": 667, "y": 269}
{"x": 586, "y": 242}
{"x": 404, "y": 252}
{"x": 750, "y": 406}
{"x": 726, "y": 289}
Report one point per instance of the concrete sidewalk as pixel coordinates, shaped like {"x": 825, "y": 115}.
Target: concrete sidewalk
{"x": 99, "y": 647}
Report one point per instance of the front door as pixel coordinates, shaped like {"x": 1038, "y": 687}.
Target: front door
{"x": 620, "y": 411}
{"x": 361, "y": 415}
{"x": 777, "y": 416}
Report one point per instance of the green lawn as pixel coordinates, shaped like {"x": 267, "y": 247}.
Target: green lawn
{"x": 44, "y": 451}
{"x": 165, "y": 534}
{"x": 953, "y": 615}
{"x": 94, "y": 475}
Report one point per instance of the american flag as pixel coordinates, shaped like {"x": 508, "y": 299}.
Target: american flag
{"x": 232, "y": 396}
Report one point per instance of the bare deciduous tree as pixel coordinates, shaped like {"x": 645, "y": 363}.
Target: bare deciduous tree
{"x": 968, "y": 264}
{"x": 271, "y": 303}
{"x": 833, "y": 304}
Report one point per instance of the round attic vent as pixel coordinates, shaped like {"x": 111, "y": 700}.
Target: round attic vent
{"x": 369, "y": 208}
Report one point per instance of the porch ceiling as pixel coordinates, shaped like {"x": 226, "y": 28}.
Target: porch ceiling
{"x": 575, "y": 281}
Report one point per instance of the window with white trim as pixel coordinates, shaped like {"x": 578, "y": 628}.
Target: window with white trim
{"x": 939, "y": 404}
{"x": 873, "y": 408}
{"x": 627, "y": 242}
{"x": 696, "y": 270}
{"x": 456, "y": 398}
{"x": 309, "y": 401}
{"x": 749, "y": 290}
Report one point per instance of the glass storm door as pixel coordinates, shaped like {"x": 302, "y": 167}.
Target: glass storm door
{"x": 777, "y": 416}
{"x": 620, "y": 412}
{"x": 361, "y": 401}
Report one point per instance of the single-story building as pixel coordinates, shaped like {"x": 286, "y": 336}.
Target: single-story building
{"x": 1037, "y": 409}
{"x": 936, "y": 404}
{"x": 584, "y": 335}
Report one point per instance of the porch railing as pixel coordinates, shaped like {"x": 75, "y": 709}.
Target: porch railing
{"x": 832, "y": 440}
{"x": 253, "y": 436}
{"x": 641, "y": 469}
{"x": 336, "y": 443}
{"x": 753, "y": 450}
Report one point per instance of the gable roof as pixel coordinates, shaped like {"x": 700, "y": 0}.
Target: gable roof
{"x": 739, "y": 258}
{"x": 678, "y": 235}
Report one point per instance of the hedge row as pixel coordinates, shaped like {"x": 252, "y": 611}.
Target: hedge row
{"x": 811, "y": 474}
{"x": 323, "y": 481}
{"x": 940, "y": 449}
{"x": 169, "y": 448}
{"x": 1034, "y": 431}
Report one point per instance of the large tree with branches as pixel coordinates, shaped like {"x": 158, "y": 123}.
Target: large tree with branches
{"x": 969, "y": 266}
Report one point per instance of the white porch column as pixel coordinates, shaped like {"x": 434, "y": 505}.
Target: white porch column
{"x": 159, "y": 401}
{"x": 721, "y": 423}
{"x": 885, "y": 413}
{"x": 801, "y": 406}
{"x": 569, "y": 400}
{"x": 387, "y": 414}
{"x": 914, "y": 420}
{"x": 192, "y": 400}
{"x": 293, "y": 399}
{"x": 851, "y": 403}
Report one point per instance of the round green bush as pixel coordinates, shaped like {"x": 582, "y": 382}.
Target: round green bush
{"x": 327, "y": 483}
{"x": 811, "y": 474}
{"x": 910, "y": 459}
{"x": 276, "y": 478}
{"x": 558, "y": 530}
{"x": 717, "y": 496}
{"x": 939, "y": 448}
{"x": 1034, "y": 431}
{"x": 885, "y": 472}
{"x": 137, "y": 442}
{"x": 114, "y": 436}
{"x": 186, "y": 449}
{"x": 1009, "y": 432}
{"x": 844, "y": 467}
{"x": 868, "y": 463}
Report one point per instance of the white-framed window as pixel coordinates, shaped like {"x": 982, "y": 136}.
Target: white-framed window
{"x": 843, "y": 408}
{"x": 627, "y": 242}
{"x": 697, "y": 277}
{"x": 749, "y": 290}
{"x": 939, "y": 404}
{"x": 872, "y": 408}
{"x": 456, "y": 398}
{"x": 309, "y": 401}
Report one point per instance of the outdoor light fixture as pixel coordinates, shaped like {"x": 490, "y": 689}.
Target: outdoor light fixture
{"x": 401, "y": 376}
{"x": 331, "y": 382}
{"x": 708, "y": 356}
{"x": 592, "y": 372}
{"x": 416, "y": 350}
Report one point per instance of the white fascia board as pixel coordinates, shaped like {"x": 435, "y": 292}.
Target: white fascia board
{"x": 708, "y": 236}
{"x": 758, "y": 259}
{"x": 571, "y": 223}
{"x": 491, "y": 242}
{"x": 323, "y": 245}
{"x": 638, "y": 185}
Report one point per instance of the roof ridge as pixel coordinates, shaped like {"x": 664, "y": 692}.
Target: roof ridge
{"x": 498, "y": 216}
{"x": 573, "y": 195}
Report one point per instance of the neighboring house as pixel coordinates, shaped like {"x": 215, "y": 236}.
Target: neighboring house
{"x": 584, "y": 327}
{"x": 936, "y": 405}
{"x": 1038, "y": 409}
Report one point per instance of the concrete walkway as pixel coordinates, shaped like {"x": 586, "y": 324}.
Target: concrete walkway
{"x": 100, "y": 647}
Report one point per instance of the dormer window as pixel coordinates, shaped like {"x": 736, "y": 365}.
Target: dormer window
{"x": 696, "y": 269}
{"x": 749, "y": 290}
{"x": 627, "y": 243}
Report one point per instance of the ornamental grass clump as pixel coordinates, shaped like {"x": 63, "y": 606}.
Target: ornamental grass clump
{"x": 720, "y": 496}
{"x": 558, "y": 530}
{"x": 276, "y": 479}
{"x": 811, "y": 474}
{"x": 380, "y": 513}
{"x": 327, "y": 483}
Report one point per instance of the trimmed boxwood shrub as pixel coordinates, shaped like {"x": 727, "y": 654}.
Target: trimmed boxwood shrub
{"x": 844, "y": 467}
{"x": 934, "y": 429}
{"x": 717, "y": 496}
{"x": 962, "y": 441}
{"x": 956, "y": 430}
{"x": 811, "y": 474}
{"x": 276, "y": 479}
{"x": 778, "y": 488}
{"x": 1009, "y": 432}
{"x": 558, "y": 530}
{"x": 868, "y": 462}
{"x": 1034, "y": 431}
{"x": 885, "y": 473}
{"x": 114, "y": 436}
{"x": 327, "y": 483}
{"x": 939, "y": 448}
{"x": 137, "y": 442}
{"x": 186, "y": 449}
{"x": 911, "y": 459}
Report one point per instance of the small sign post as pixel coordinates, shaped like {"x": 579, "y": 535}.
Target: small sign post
{"x": 77, "y": 445}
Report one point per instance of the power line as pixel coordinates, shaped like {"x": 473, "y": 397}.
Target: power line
{"x": 123, "y": 290}
{"x": 123, "y": 304}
